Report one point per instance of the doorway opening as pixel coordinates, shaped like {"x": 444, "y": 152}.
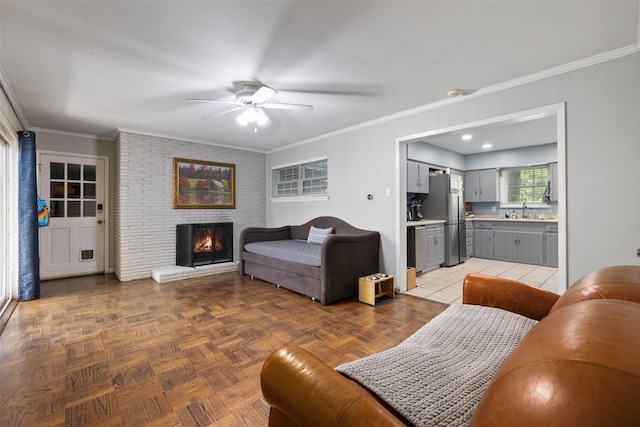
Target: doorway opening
{"x": 557, "y": 111}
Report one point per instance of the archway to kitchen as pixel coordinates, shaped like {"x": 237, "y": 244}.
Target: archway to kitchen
{"x": 557, "y": 111}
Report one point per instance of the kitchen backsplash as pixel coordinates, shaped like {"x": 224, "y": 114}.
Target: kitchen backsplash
{"x": 484, "y": 208}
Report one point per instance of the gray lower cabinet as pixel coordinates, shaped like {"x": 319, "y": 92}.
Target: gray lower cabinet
{"x": 551, "y": 245}
{"x": 483, "y": 240}
{"x": 517, "y": 241}
{"x": 435, "y": 246}
{"x": 469, "y": 237}
{"x": 519, "y": 246}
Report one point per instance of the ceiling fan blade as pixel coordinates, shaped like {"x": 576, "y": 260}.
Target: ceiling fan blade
{"x": 263, "y": 94}
{"x": 224, "y": 112}
{"x": 287, "y": 106}
{"x": 217, "y": 101}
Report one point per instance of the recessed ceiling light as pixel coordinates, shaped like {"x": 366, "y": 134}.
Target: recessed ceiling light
{"x": 486, "y": 146}
{"x": 467, "y": 136}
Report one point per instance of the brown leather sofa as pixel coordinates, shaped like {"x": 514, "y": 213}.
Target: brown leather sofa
{"x": 579, "y": 366}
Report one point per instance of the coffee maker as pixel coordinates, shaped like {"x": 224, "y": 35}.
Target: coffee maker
{"x": 414, "y": 210}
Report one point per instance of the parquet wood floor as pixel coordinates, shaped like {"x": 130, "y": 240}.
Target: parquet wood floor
{"x": 96, "y": 352}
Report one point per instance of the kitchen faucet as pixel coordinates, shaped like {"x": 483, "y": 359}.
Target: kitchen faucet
{"x": 524, "y": 209}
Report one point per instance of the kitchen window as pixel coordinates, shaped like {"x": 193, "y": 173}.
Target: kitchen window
{"x": 299, "y": 180}
{"x": 523, "y": 184}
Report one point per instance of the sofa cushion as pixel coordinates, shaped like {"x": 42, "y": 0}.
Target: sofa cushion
{"x": 297, "y": 251}
{"x": 318, "y": 235}
{"x": 617, "y": 282}
{"x": 437, "y": 376}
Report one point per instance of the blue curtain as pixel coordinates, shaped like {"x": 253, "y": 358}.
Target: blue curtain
{"x": 28, "y": 252}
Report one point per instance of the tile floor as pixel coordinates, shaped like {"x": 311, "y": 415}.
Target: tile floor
{"x": 445, "y": 284}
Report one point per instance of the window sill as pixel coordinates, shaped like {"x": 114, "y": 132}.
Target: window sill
{"x": 320, "y": 198}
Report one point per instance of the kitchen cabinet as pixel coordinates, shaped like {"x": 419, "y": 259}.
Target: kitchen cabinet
{"x": 551, "y": 245}
{"x": 528, "y": 242}
{"x": 469, "y": 237}
{"x": 481, "y": 186}
{"x": 417, "y": 247}
{"x": 435, "y": 246}
{"x": 519, "y": 246}
{"x": 417, "y": 177}
{"x": 483, "y": 240}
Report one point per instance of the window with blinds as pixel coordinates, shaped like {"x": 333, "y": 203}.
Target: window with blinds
{"x": 524, "y": 184}
{"x": 305, "y": 179}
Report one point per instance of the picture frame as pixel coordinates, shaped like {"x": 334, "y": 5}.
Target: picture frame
{"x": 199, "y": 184}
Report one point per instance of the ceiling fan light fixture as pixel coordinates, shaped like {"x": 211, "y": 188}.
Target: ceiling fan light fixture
{"x": 261, "y": 117}
{"x": 247, "y": 116}
{"x": 255, "y": 115}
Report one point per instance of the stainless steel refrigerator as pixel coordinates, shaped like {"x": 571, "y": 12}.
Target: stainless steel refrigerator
{"x": 445, "y": 201}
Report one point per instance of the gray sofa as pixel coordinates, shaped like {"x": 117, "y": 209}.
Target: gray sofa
{"x": 344, "y": 256}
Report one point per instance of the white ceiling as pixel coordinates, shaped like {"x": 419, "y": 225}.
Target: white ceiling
{"x": 95, "y": 67}
{"x": 501, "y": 135}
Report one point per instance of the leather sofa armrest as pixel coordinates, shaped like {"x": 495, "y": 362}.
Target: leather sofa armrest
{"x": 304, "y": 391}
{"x": 510, "y": 295}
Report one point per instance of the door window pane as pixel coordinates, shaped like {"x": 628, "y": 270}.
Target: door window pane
{"x": 89, "y": 173}
{"x": 73, "y": 209}
{"x": 89, "y": 191}
{"x": 73, "y": 171}
{"x": 56, "y": 208}
{"x": 57, "y": 190}
{"x": 56, "y": 171}
{"x": 88, "y": 209}
{"x": 73, "y": 190}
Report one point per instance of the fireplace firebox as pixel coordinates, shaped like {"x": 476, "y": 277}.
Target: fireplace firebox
{"x": 202, "y": 244}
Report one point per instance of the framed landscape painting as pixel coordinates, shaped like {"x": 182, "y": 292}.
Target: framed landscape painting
{"x": 203, "y": 185}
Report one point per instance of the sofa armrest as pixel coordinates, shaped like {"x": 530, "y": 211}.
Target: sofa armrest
{"x": 260, "y": 234}
{"x": 345, "y": 258}
{"x": 304, "y": 391}
{"x": 510, "y": 295}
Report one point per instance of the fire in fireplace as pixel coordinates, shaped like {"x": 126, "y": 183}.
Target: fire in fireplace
{"x": 202, "y": 244}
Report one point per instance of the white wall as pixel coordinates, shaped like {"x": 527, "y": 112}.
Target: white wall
{"x": 602, "y": 157}
{"x": 145, "y": 221}
{"x": 427, "y": 153}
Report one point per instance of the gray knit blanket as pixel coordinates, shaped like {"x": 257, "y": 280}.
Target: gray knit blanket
{"x": 437, "y": 376}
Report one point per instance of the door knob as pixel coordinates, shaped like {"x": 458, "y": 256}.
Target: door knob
{"x": 99, "y": 221}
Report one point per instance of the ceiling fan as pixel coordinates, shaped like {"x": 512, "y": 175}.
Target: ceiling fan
{"x": 252, "y": 100}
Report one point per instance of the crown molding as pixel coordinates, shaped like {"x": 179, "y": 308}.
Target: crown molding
{"x": 6, "y": 88}
{"x": 75, "y": 134}
{"x": 183, "y": 139}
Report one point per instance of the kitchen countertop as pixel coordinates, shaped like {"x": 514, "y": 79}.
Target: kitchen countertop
{"x": 495, "y": 218}
{"x": 425, "y": 222}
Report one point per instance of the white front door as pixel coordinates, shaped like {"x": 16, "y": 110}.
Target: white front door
{"x": 74, "y": 189}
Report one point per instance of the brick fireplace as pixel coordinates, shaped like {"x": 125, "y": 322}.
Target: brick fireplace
{"x": 203, "y": 244}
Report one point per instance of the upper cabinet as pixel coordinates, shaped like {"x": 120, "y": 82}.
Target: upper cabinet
{"x": 417, "y": 177}
{"x": 553, "y": 178}
{"x": 481, "y": 186}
